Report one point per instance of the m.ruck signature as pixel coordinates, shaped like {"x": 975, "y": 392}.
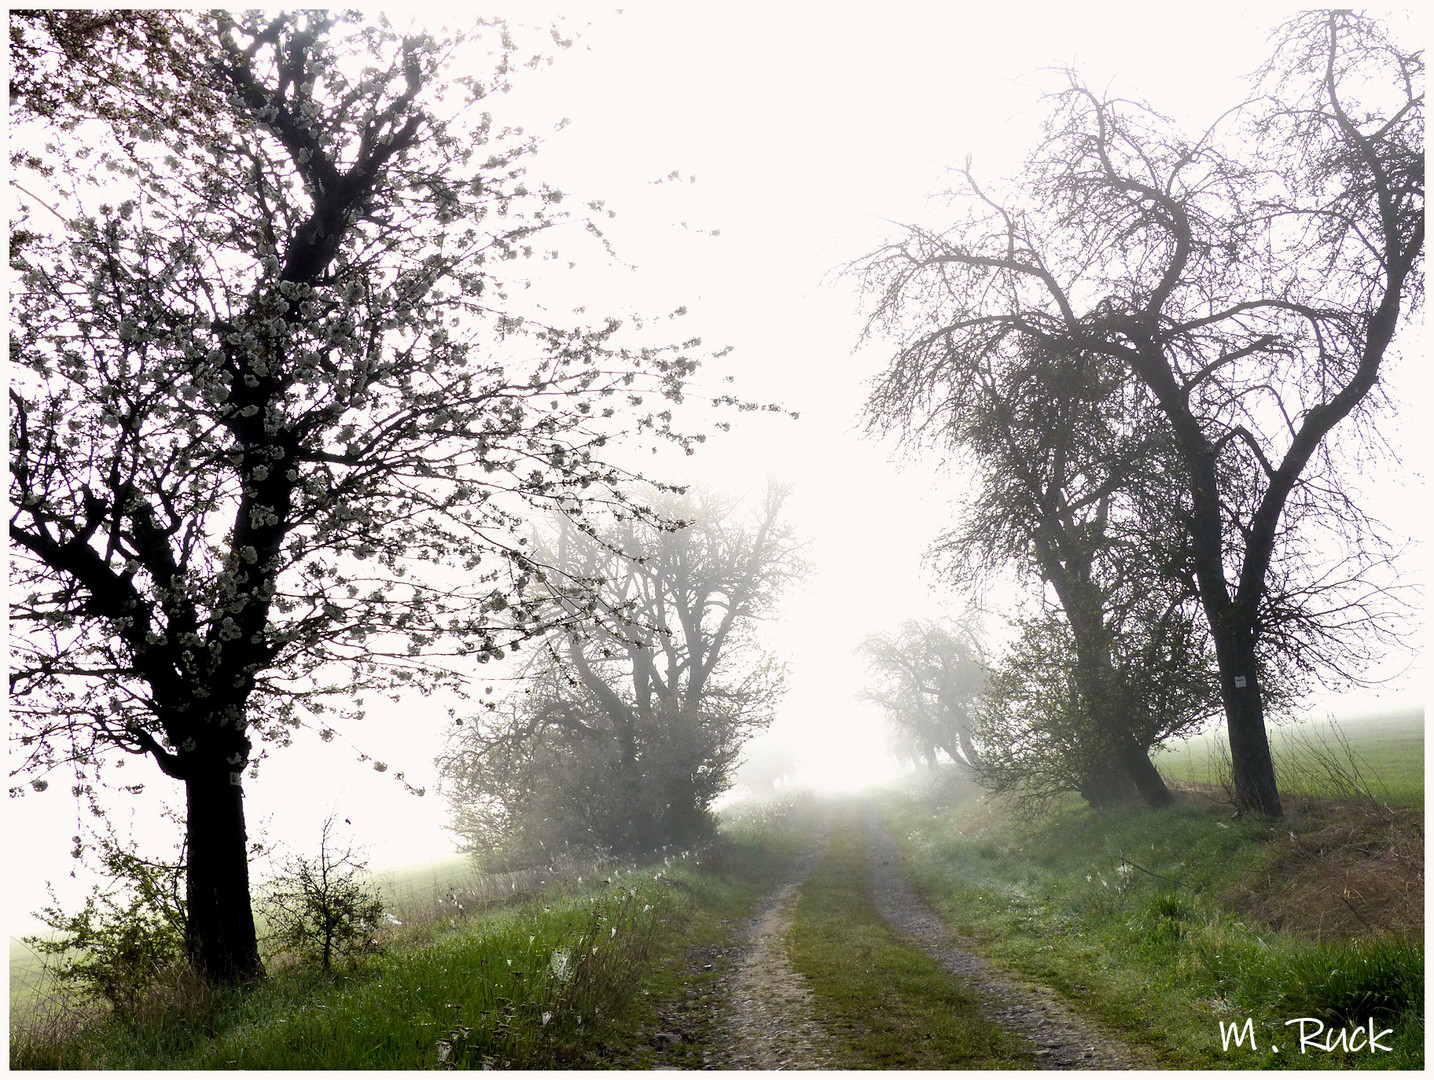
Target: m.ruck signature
{"x": 1314, "y": 1035}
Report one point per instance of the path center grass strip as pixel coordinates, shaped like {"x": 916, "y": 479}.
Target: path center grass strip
{"x": 887, "y": 1003}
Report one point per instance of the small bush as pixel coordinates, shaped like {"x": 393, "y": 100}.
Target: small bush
{"x": 562, "y": 991}
{"x": 321, "y": 910}
{"x": 1166, "y": 919}
{"x": 605, "y": 960}
{"x": 129, "y": 936}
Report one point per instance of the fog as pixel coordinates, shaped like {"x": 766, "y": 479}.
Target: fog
{"x": 807, "y": 129}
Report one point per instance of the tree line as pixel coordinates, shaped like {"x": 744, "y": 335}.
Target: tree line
{"x": 1156, "y": 358}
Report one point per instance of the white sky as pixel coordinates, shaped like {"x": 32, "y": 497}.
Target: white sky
{"x": 807, "y": 127}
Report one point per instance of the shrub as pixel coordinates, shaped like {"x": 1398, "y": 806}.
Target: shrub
{"x": 321, "y": 910}
{"x": 1165, "y": 920}
{"x": 129, "y": 935}
{"x": 563, "y": 992}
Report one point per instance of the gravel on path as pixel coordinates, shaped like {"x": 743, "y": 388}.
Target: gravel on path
{"x": 1058, "y": 1037}
{"x": 770, "y": 1020}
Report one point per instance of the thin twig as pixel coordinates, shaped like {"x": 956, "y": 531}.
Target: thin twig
{"x": 1176, "y": 881}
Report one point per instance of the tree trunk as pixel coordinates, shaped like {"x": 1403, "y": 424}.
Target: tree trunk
{"x": 1252, "y": 766}
{"x": 223, "y": 947}
{"x": 1117, "y": 775}
{"x": 1135, "y": 760}
{"x": 968, "y": 746}
{"x": 1254, "y": 769}
{"x": 1106, "y": 784}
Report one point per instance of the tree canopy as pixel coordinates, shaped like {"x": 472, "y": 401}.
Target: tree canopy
{"x": 622, "y": 737}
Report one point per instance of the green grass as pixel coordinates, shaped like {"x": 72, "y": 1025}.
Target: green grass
{"x": 889, "y": 1004}
{"x": 1380, "y": 756}
{"x": 482, "y": 989}
{"x": 1129, "y": 915}
{"x": 557, "y": 981}
{"x": 29, "y": 983}
{"x": 1163, "y": 925}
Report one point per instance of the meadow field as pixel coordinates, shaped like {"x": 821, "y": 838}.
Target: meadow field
{"x": 1371, "y": 755}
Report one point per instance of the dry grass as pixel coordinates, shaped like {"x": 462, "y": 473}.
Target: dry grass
{"x": 53, "y": 1017}
{"x": 457, "y": 889}
{"x": 1341, "y": 869}
{"x": 1346, "y": 863}
{"x": 56, "y": 1017}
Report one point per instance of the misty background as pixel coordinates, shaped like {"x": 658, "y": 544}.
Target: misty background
{"x": 797, "y": 133}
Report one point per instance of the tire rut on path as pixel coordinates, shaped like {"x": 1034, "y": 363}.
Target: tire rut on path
{"x": 1058, "y": 1037}
{"x": 770, "y": 1020}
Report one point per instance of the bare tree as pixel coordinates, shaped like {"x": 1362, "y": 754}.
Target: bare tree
{"x": 1070, "y": 491}
{"x": 1251, "y": 282}
{"x": 625, "y": 733}
{"x": 930, "y": 676}
{"x": 276, "y": 427}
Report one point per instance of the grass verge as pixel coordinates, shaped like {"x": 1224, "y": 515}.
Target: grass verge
{"x": 573, "y": 979}
{"x": 1144, "y": 920}
{"x": 889, "y": 1004}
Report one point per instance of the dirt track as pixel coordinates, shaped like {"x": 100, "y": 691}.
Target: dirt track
{"x": 1058, "y": 1037}
{"x": 770, "y": 1020}
{"x": 759, "y": 1013}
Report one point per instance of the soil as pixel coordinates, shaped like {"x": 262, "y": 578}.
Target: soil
{"x": 748, "y": 1008}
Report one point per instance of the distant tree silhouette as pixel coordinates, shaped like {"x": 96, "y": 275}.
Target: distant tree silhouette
{"x": 632, "y": 719}
{"x": 930, "y": 676}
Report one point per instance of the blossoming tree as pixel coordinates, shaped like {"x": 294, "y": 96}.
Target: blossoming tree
{"x": 275, "y": 417}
